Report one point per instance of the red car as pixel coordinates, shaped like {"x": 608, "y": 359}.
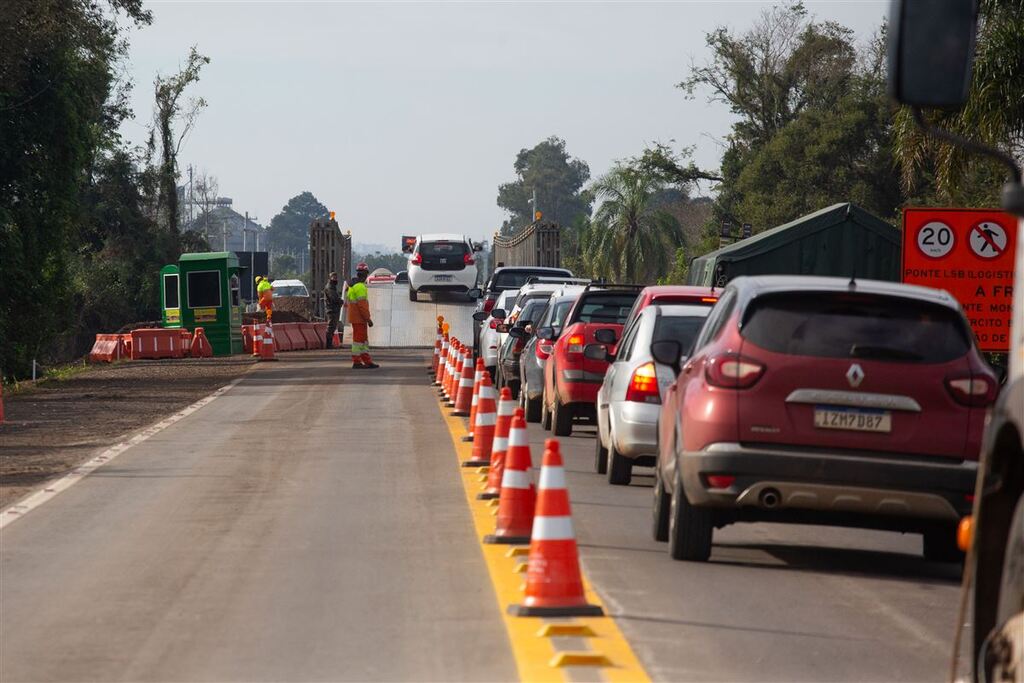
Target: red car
{"x": 822, "y": 401}
{"x": 672, "y": 294}
{"x": 571, "y": 381}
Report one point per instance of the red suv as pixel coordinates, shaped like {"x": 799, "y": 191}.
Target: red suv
{"x": 822, "y": 401}
{"x": 672, "y": 294}
{"x": 571, "y": 381}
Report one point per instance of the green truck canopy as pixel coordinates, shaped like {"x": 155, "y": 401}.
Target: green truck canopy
{"x": 842, "y": 240}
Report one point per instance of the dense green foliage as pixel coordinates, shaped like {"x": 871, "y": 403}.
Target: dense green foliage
{"x": 393, "y": 261}
{"x": 558, "y": 181}
{"x": 288, "y": 231}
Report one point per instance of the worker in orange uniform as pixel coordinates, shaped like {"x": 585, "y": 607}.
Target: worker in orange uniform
{"x": 359, "y": 315}
{"x": 265, "y": 292}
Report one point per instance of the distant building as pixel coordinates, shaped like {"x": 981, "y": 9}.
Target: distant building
{"x": 226, "y": 229}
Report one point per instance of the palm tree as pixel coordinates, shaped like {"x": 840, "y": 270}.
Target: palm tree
{"x": 629, "y": 238}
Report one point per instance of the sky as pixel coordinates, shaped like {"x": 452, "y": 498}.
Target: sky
{"x": 404, "y": 117}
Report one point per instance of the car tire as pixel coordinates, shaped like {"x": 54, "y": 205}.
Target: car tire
{"x": 562, "y": 418}
{"x": 545, "y": 414}
{"x": 620, "y": 468}
{"x": 600, "y": 456}
{"x": 531, "y": 406}
{"x": 660, "y": 509}
{"x": 940, "y": 545}
{"x": 689, "y": 528}
{"x": 412, "y": 294}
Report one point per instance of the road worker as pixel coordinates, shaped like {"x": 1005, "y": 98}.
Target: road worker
{"x": 265, "y": 292}
{"x": 333, "y": 302}
{"x": 359, "y": 315}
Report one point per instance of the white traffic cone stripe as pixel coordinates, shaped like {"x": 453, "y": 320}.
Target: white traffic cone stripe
{"x": 488, "y": 392}
{"x": 500, "y": 444}
{"x": 518, "y": 437}
{"x": 486, "y": 419}
{"x": 552, "y": 529}
{"x": 466, "y": 382}
{"x": 552, "y": 478}
{"x": 507, "y": 408}
{"x": 515, "y": 479}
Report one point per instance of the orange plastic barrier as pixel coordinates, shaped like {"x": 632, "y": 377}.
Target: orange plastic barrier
{"x": 247, "y": 338}
{"x": 107, "y": 349}
{"x": 186, "y": 341}
{"x": 282, "y": 342}
{"x": 199, "y": 346}
{"x": 308, "y": 333}
{"x": 321, "y": 333}
{"x": 157, "y": 343}
{"x": 294, "y": 335}
{"x": 126, "y": 339}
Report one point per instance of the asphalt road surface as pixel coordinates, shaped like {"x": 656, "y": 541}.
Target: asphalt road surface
{"x": 309, "y": 525}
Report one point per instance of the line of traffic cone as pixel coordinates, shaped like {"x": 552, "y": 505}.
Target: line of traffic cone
{"x": 507, "y": 410}
{"x": 517, "y": 497}
{"x": 257, "y": 340}
{"x": 436, "y": 357}
{"x": 454, "y": 374}
{"x": 464, "y": 390}
{"x": 442, "y": 359}
{"x": 486, "y": 420}
{"x": 477, "y": 381}
{"x": 449, "y": 361}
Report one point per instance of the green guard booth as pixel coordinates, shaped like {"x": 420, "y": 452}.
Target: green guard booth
{"x": 170, "y": 296}
{"x": 211, "y": 299}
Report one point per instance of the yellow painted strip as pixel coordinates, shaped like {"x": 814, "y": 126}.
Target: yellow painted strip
{"x": 567, "y": 630}
{"x": 536, "y": 656}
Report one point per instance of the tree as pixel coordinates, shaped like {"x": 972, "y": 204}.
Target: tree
{"x": 393, "y": 261}
{"x": 630, "y": 237}
{"x": 558, "y": 181}
{"x": 289, "y": 230}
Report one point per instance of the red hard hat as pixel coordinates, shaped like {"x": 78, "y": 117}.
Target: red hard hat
{"x": 362, "y": 266}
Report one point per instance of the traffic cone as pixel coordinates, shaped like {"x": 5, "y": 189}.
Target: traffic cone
{"x": 486, "y": 419}
{"x": 464, "y": 392}
{"x": 554, "y": 585}
{"x": 437, "y": 347}
{"x": 267, "y": 347}
{"x": 200, "y": 347}
{"x": 477, "y": 379}
{"x": 453, "y": 354}
{"x": 257, "y": 340}
{"x": 515, "y": 504}
{"x": 458, "y": 366}
{"x": 442, "y": 359}
{"x": 507, "y": 410}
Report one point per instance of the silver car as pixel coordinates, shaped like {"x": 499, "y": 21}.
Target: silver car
{"x": 629, "y": 400}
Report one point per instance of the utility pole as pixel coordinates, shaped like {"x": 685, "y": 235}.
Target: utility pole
{"x": 190, "y": 199}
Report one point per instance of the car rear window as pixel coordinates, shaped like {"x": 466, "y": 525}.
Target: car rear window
{"x": 290, "y": 290}
{"x": 558, "y": 313}
{"x": 605, "y": 308}
{"x": 443, "y": 248}
{"x": 846, "y": 325}
{"x": 683, "y": 329}
{"x": 533, "y": 310}
{"x": 515, "y": 279}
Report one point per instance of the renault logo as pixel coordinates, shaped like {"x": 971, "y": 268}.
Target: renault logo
{"x": 855, "y": 375}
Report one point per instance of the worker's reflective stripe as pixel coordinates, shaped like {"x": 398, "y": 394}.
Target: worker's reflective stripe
{"x": 486, "y": 419}
{"x": 514, "y": 479}
{"x": 552, "y": 478}
{"x": 500, "y": 444}
{"x": 552, "y": 529}
{"x": 517, "y": 437}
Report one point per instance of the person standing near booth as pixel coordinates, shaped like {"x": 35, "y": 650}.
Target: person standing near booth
{"x": 333, "y": 300}
{"x": 265, "y": 293}
{"x": 356, "y": 298}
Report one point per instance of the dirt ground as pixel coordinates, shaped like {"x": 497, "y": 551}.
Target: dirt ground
{"x": 54, "y": 426}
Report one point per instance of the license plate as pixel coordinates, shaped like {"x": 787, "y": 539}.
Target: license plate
{"x": 442, "y": 278}
{"x": 852, "y": 419}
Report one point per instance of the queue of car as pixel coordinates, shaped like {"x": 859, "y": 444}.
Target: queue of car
{"x": 777, "y": 398}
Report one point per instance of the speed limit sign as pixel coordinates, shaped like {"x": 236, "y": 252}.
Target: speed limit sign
{"x": 935, "y": 239}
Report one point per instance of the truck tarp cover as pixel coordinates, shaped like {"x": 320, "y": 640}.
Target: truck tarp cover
{"x": 842, "y": 240}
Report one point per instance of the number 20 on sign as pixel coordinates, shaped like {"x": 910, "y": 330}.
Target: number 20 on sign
{"x": 969, "y": 253}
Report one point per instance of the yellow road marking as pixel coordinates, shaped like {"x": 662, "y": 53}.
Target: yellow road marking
{"x": 535, "y": 653}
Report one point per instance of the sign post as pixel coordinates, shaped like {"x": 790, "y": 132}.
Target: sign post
{"x": 970, "y": 254}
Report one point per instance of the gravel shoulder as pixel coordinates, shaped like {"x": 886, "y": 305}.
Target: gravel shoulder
{"x": 54, "y": 426}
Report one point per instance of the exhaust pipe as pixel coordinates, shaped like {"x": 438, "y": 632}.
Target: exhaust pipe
{"x": 770, "y": 498}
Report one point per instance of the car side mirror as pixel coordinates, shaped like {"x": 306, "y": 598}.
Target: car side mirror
{"x": 668, "y": 352}
{"x": 546, "y": 333}
{"x": 475, "y": 293}
{"x": 931, "y": 52}
{"x": 499, "y": 313}
{"x": 598, "y": 352}
{"x": 606, "y": 336}
{"x": 518, "y": 333}
{"x": 523, "y": 323}
{"x": 502, "y": 328}
{"x": 481, "y": 316}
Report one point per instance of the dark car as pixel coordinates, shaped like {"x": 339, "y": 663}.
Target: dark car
{"x": 822, "y": 401}
{"x": 536, "y": 351}
{"x": 511, "y": 277}
{"x": 510, "y": 351}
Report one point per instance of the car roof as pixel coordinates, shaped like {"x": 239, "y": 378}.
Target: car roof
{"x": 654, "y": 291}
{"x": 442, "y": 237}
{"x": 533, "y": 269}
{"x": 677, "y": 310}
{"x": 288, "y": 283}
{"x": 758, "y": 285}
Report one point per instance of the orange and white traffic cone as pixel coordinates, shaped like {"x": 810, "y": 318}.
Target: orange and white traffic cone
{"x": 517, "y": 498}
{"x": 442, "y": 368}
{"x": 453, "y": 364}
{"x": 478, "y": 377}
{"x": 267, "y": 347}
{"x": 441, "y": 361}
{"x": 486, "y": 419}
{"x": 507, "y": 410}
{"x": 458, "y": 366}
{"x": 200, "y": 347}
{"x": 257, "y": 340}
{"x": 437, "y": 347}
{"x": 554, "y": 585}
{"x": 464, "y": 393}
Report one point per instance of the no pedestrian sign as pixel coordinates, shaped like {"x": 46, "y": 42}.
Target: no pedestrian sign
{"x": 969, "y": 253}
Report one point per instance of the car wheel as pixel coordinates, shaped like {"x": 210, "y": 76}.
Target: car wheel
{"x": 562, "y": 417}
{"x": 545, "y": 414}
{"x": 600, "y": 456}
{"x": 660, "y": 509}
{"x": 689, "y": 528}
{"x": 412, "y": 294}
{"x": 940, "y": 545}
{"x": 531, "y": 406}
{"x": 620, "y": 468}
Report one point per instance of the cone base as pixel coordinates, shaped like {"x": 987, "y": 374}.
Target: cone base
{"x": 573, "y": 611}
{"x": 449, "y": 404}
{"x": 468, "y": 438}
{"x": 487, "y": 496}
{"x": 475, "y": 463}
{"x": 491, "y": 539}
{"x": 265, "y": 359}
{"x": 459, "y": 413}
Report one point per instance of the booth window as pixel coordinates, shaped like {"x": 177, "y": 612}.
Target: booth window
{"x": 236, "y": 298}
{"x": 171, "y": 291}
{"x": 204, "y": 289}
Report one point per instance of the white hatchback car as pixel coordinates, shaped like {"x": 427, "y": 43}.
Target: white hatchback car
{"x": 490, "y": 337}
{"x": 442, "y": 263}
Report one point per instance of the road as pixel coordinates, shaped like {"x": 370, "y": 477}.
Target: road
{"x": 310, "y": 524}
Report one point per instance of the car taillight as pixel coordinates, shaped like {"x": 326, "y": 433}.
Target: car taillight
{"x": 417, "y": 259}
{"x": 575, "y": 342}
{"x": 709, "y": 300}
{"x": 468, "y": 259}
{"x": 494, "y": 323}
{"x": 977, "y": 392}
{"x": 732, "y": 371}
{"x": 543, "y": 349}
{"x": 643, "y": 386}
{"x": 489, "y": 303}
{"x": 518, "y": 346}
{"x": 719, "y": 481}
